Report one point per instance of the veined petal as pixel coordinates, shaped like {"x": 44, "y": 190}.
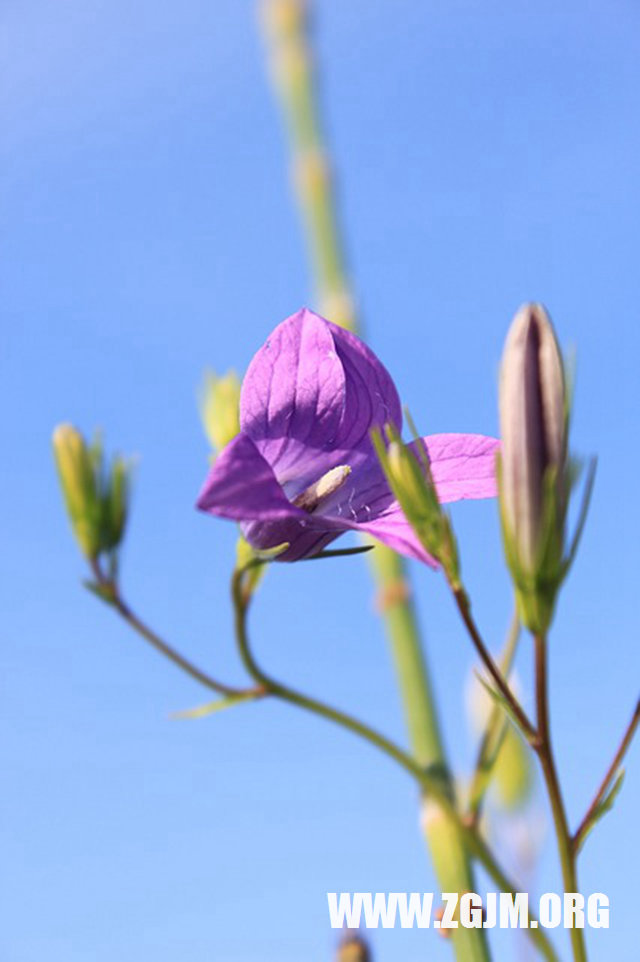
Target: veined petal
{"x": 371, "y": 398}
{"x": 242, "y": 486}
{"x": 393, "y": 530}
{"x": 462, "y": 465}
{"x": 310, "y": 397}
{"x": 294, "y": 386}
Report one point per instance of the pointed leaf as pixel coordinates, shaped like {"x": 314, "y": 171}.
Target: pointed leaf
{"x": 502, "y": 702}
{"x": 605, "y": 806}
{"x": 219, "y": 704}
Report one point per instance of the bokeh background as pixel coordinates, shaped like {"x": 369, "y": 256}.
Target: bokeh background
{"x": 487, "y": 154}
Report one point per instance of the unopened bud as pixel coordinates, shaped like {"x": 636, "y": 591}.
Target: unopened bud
{"x": 96, "y": 498}
{"x": 116, "y": 505}
{"x": 534, "y": 484}
{"x": 220, "y": 408}
{"x": 78, "y": 483}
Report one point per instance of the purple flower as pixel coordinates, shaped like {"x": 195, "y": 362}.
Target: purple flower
{"x": 303, "y": 469}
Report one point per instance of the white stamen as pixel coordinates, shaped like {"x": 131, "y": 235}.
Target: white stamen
{"x": 320, "y": 490}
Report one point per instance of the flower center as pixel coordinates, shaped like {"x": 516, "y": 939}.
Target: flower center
{"x": 319, "y": 491}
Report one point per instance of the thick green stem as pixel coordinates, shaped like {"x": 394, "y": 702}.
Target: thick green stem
{"x": 286, "y": 30}
{"x": 446, "y": 843}
{"x": 547, "y": 761}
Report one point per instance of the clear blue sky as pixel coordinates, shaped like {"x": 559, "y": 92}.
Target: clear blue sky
{"x": 487, "y": 154}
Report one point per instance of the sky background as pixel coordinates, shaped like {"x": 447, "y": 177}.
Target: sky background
{"x": 487, "y": 154}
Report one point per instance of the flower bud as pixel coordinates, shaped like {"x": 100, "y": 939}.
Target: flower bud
{"x": 116, "y": 504}
{"x": 409, "y": 477}
{"x": 97, "y": 499}
{"x": 534, "y": 479}
{"x": 220, "y": 408}
{"x": 78, "y": 481}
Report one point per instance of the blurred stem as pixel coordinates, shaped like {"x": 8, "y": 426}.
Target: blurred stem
{"x": 286, "y": 27}
{"x": 547, "y": 761}
{"x": 494, "y": 733}
{"x": 291, "y": 63}
{"x": 436, "y": 794}
{"x": 110, "y": 592}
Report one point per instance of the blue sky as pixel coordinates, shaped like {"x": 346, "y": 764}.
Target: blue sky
{"x": 487, "y": 154}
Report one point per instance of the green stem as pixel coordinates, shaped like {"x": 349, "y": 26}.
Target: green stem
{"x": 447, "y": 844}
{"x": 462, "y": 602}
{"x": 287, "y": 33}
{"x": 547, "y": 761}
{"x": 430, "y": 782}
{"x": 111, "y": 594}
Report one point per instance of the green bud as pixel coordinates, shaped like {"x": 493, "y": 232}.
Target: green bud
{"x": 409, "y": 478}
{"x": 97, "y": 498}
{"x": 78, "y": 482}
{"x": 116, "y": 504}
{"x": 220, "y": 408}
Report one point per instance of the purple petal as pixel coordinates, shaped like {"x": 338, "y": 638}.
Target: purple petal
{"x": 310, "y": 397}
{"x": 371, "y": 396}
{"x": 462, "y": 465}
{"x": 242, "y": 486}
{"x": 365, "y": 503}
{"x": 304, "y": 537}
{"x": 393, "y": 529}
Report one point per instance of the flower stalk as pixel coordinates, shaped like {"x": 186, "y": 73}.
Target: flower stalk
{"x": 566, "y": 849}
{"x": 286, "y": 31}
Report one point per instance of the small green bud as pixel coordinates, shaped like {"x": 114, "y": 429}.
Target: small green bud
{"x": 97, "y": 498}
{"x": 78, "y": 482}
{"x": 220, "y": 408}
{"x": 409, "y": 478}
{"x": 117, "y": 502}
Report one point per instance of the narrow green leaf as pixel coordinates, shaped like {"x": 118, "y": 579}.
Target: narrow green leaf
{"x": 605, "y": 806}
{"x": 340, "y": 552}
{"x": 219, "y": 704}
{"x": 502, "y": 702}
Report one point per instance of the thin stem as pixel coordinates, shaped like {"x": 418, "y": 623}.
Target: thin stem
{"x": 494, "y": 733}
{"x": 549, "y": 770}
{"x": 431, "y": 784}
{"x": 627, "y": 738}
{"x": 115, "y": 599}
{"x": 465, "y": 611}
